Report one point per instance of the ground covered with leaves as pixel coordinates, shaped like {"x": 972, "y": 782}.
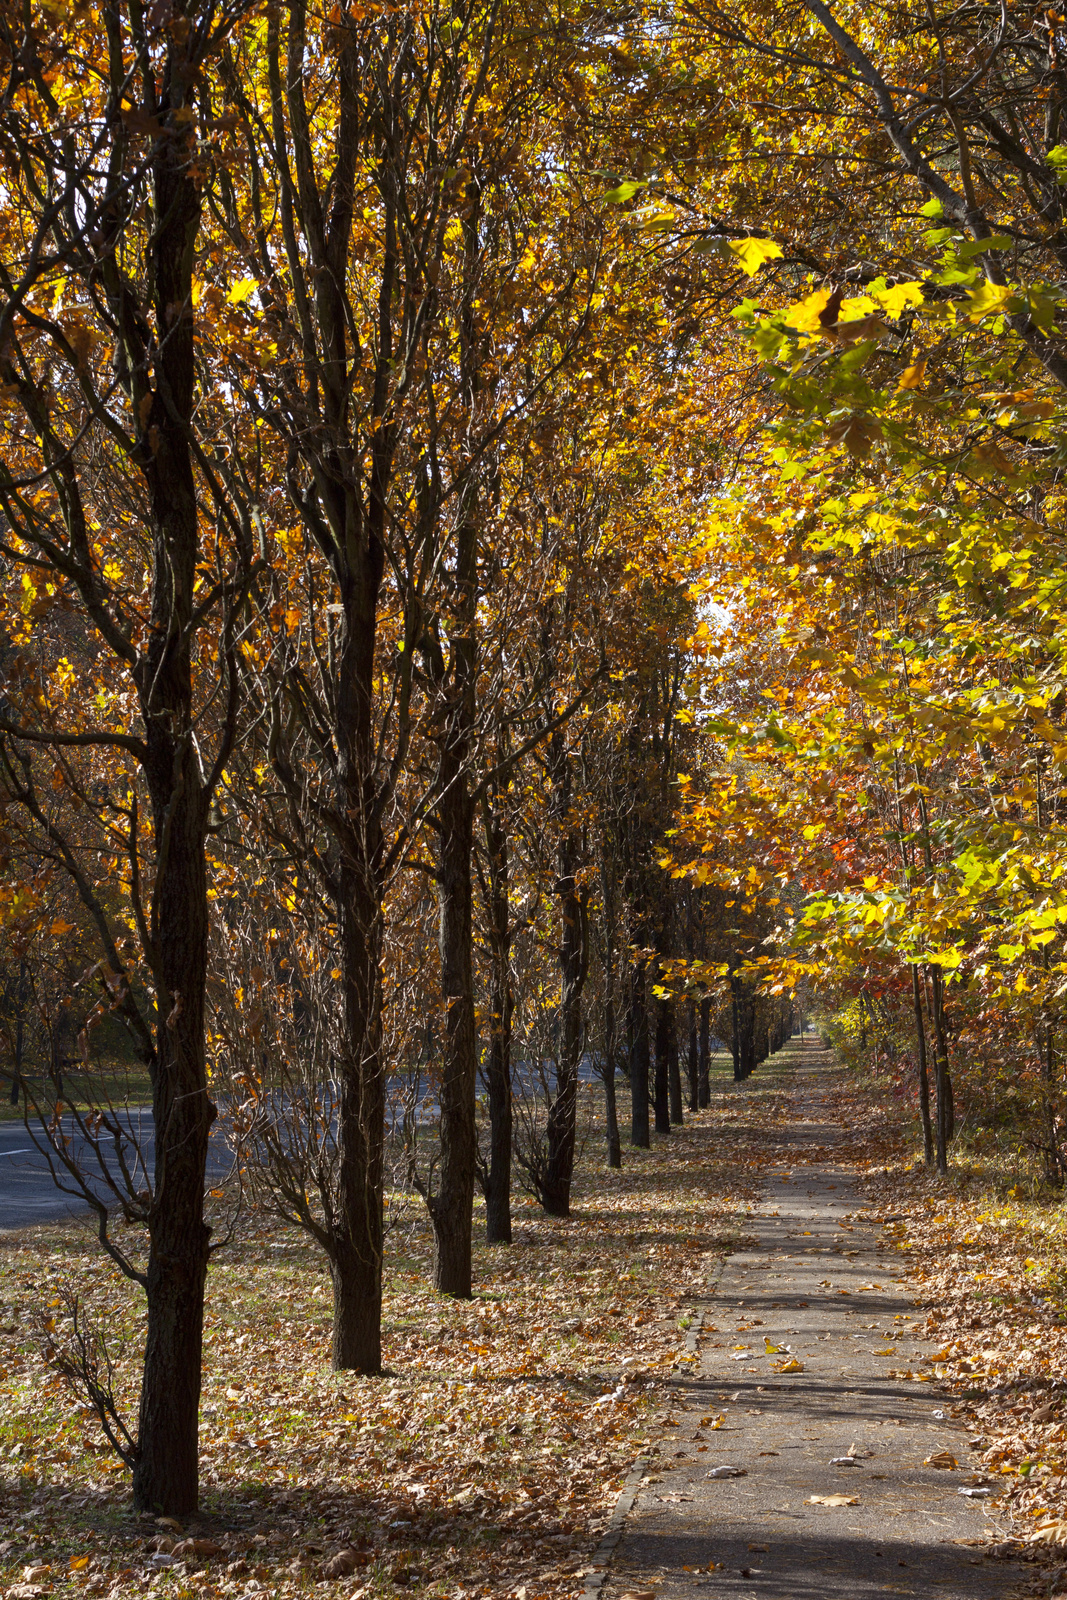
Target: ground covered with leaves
{"x": 484, "y": 1463}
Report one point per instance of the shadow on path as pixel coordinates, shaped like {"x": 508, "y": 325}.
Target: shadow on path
{"x": 821, "y": 1282}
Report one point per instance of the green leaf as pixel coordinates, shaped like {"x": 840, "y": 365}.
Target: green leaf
{"x": 625, "y": 190}
{"x": 932, "y": 208}
{"x": 978, "y": 247}
{"x": 767, "y": 341}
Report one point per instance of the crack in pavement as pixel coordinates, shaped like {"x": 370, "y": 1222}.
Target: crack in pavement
{"x": 818, "y": 1280}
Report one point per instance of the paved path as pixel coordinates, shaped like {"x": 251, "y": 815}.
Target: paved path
{"x": 907, "y": 1534}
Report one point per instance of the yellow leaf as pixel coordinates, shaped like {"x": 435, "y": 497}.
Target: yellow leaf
{"x": 897, "y": 298}
{"x": 804, "y": 316}
{"x": 912, "y": 377}
{"x": 242, "y": 289}
{"x": 753, "y": 253}
{"x": 986, "y": 298}
{"x": 78, "y": 1563}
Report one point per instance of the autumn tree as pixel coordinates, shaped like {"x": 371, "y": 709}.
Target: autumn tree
{"x": 124, "y": 571}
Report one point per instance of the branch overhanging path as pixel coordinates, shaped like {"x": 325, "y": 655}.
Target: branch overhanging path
{"x": 814, "y": 1279}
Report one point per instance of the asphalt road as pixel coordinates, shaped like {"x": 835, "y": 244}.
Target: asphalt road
{"x": 28, "y": 1190}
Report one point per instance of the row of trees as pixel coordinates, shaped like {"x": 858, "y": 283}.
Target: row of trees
{"x": 894, "y": 538}
{"x": 341, "y": 617}
{"x": 439, "y": 641}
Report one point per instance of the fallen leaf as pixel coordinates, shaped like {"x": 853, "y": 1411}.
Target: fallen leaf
{"x": 1049, "y": 1533}
{"x": 344, "y": 1562}
{"x": 833, "y": 1500}
{"x": 727, "y": 1472}
{"x": 792, "y": 1365}
{"x": 942, "y": 1458}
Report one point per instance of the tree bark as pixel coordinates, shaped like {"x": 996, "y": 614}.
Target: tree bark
{"x": 924, "y": 1076}
{"x": 497, "y": 1182}
{"x": 611, "y": 1042}
{"x": 573, "y": 945}
{"x": 611, "y": 1116}
{"x": 674, "y": 1073}
{"x": 639, "y": 1061}
{"x": 942, "y": 1078}
{"x": 356, "y": 1227}
{"x": 165, "y": 1473}
{"x": 704, "y": 1088}
{"x": 663, "y": 1069}
{"x": 693, "y": 1058}
{"x": 451, "y": 1208}
{"x": 735, "y": 1027}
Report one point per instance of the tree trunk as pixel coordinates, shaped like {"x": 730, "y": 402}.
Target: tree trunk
{"x": 451, "y": 1207}
{"x": 639, "y": 1061}
{"x": 735, "y": 1027}
{"x": 20, "y": 1013}
{"x": 165, "y": 1474}
{"x": 663, "y": 1067}
{"x": 924, "y": 1077}
{"x": 497, "y": 1185}
{"x": 573, "y": 945}
{"x": 355, "y": 1250}
{"x": 611, "y": 1043}
{"x": 693, "y": 1062}
{"x": 611, "y": 1116}
{"x": 942, "y": 1080}
{"x": 673, "y": 1064}
{"x": 704, "y": 1093}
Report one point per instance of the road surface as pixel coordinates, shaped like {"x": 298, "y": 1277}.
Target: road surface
{"x": 28, "y": 1191}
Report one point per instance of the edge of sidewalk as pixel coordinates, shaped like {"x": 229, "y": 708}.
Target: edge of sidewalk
{"x": 597, "y": 1574}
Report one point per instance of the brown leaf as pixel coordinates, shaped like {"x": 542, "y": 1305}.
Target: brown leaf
{"x": 942, "y": 1458}
{"x": 199, "y": 1549}
{"x": 1050, "y": 1533}
{"x": 344, "y": 1562}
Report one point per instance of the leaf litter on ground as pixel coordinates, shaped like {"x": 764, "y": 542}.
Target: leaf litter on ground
{"x": 485, "y": 1461}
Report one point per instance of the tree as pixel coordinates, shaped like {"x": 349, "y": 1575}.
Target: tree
{"x": 121, "y": 690}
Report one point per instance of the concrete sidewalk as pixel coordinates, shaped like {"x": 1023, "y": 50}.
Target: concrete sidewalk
{"x": 818, "y": 1282}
